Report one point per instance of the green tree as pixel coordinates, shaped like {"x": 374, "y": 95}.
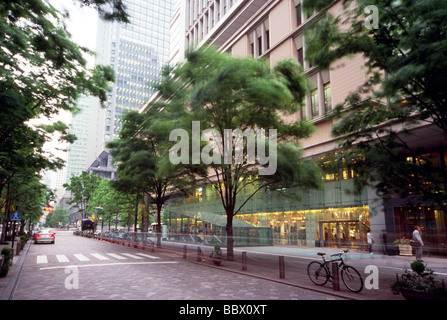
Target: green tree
{"x": 405, "y": 57}
{"x": 110, "y": 204}
{"x": 226, "y": 93}
{"x": 26, "y": 194}
{"x": 82, "y": 188}
{"x": 111, "y": 10}
{"x": 57, "y": 218}
{"x": 141, "y": 155}
{"x": 42, "y": 72}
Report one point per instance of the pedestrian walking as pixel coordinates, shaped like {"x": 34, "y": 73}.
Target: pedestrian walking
{"x": 417, "y": 238}
{"x": 370, "y": 240}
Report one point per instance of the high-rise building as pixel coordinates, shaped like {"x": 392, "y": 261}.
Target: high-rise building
{"x": 79, "y": 126}
{"x": 137, "y": 52}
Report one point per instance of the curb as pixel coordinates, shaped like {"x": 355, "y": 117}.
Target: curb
{"x": 7, "y": 295}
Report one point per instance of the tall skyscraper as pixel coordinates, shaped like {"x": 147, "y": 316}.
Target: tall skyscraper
{"x": 137, "y": 52}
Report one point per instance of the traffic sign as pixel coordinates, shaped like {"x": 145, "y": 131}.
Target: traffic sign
{"x": 16, "y": 216}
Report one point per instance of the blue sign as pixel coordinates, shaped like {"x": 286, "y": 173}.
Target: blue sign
{"x": 16, "y": 216}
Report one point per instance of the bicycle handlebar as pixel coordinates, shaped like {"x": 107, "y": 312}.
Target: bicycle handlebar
{"x": 336, "y": 254}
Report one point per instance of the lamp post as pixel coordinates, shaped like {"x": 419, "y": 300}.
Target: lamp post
{"x": 99, "y": 218}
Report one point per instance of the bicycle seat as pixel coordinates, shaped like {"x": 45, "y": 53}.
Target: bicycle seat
{"x": 321, "y": 253}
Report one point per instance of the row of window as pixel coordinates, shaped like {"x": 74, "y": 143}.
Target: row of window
{"x": 319, "y": 101}
{"x": 203, "y": 15}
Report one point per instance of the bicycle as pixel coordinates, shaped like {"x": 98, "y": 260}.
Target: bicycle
{"x": 320, "y": 273}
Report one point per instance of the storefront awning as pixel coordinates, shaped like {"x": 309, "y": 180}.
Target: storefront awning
{"x": 213, "y": 218}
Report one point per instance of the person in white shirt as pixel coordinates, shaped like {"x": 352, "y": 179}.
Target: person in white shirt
{"x": 370, "y": 240}
{"x": 418, "y": 238}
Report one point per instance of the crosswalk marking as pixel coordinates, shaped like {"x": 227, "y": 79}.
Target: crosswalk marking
{"x": 62, "y": 258}
{"x": 81, "y": 257}
{"x": 132, "y": 256}
{"x": 42, "y": 259}
{"x": 113, "y": 255}
{"x": 148, "y": 256}
{"x": 99, "y": 256}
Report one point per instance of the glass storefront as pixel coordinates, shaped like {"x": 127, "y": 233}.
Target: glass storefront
{"x": 332, "y": 227}
{"x": 432, "y": 221}
{"x": 185, "y": 226}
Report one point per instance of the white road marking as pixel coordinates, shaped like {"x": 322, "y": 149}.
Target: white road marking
{"x": 107, "y": 264}
{"x": 99, "y": 256}
{"x": 81, "y": 257}
{"x": 42, "y": 259}
{"x": 131, "y": 256}
{"x": 114, "y": 255}
{"x": 148, "y": 256}
{"x": 62, "y": 258}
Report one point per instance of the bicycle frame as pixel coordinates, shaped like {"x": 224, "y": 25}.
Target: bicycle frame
{"x": 327, "y": 262}
{"x": 350, "y": 277}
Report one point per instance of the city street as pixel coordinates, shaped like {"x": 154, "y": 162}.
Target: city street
{"x": 78, "y": 268}
{"x": 85, "y": 269}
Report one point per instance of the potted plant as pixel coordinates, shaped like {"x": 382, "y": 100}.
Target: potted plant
{"x": 7, "y": 261}
{"x": 216, "y": 255}
{"x": 404, "y": 246}
{"x": 419, "y": 284}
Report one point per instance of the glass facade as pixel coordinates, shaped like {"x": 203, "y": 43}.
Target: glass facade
{"x": 432, "y": 221}
{"x": 332, "y": 227}
{"x": 333, "y": 217}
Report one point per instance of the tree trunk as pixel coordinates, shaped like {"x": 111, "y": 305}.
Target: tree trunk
{"x": 158, "y": 231}
{"x": 230, "y": 240}
{"x": 136, "y": 215}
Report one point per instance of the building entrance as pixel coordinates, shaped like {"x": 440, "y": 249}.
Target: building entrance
{"x": 341, "y": 234}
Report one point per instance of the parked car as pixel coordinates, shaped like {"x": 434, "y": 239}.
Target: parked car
{"x": 44, "y": 236}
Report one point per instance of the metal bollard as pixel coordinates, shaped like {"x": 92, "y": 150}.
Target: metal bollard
{"x": 244, "y": 261}
{"x": 199, "y": 255}
{"x": 335, "y": 276}
{"x": 282, "y": 273}
{"x": 184, "y": 251}
{"x": 18, "y": 248}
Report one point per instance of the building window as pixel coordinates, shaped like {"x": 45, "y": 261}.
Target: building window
{"x": 300, "y": 56}
{"x": 314, "y": 103}
{"x": 260, "y": 39}
{"x": 267, "y": 39}
{"x": 298, "y": 15}
{"x": 327, "y": 97}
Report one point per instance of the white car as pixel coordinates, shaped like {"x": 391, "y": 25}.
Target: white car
{"x": 44, "y": 236}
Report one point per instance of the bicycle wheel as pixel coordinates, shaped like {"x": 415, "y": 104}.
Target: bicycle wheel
{"x": 317, "y": 273}
{"x": 352, "y": 279}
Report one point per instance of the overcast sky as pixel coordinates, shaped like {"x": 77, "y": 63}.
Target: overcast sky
{"x": 82, "y": 24}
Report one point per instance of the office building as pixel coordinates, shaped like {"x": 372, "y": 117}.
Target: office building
{"x": 137, "y": 52}
{"x": 336, "y": 216}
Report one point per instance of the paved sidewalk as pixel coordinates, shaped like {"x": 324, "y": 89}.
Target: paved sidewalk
{"x": 7, "y": 283}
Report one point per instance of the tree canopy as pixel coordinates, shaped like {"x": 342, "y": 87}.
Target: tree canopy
{"x": 42, "y": 73}
{"x": 215, "y": 99}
